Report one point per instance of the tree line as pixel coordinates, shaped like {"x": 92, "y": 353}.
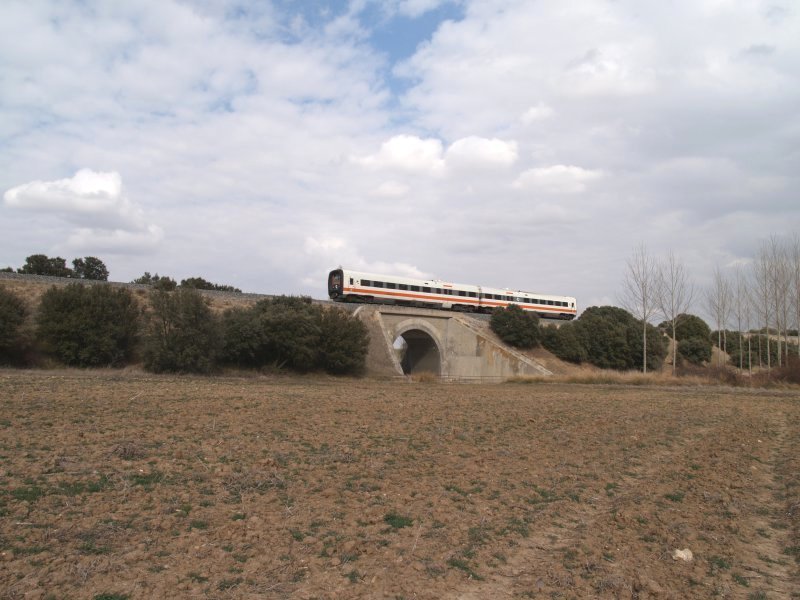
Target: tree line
{"x": 762, "y": 299}
{"x": 92, "y": 268}
{"x": 176, "y": 331}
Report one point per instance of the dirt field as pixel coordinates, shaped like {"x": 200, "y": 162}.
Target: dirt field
{"x": 127, "y": 485}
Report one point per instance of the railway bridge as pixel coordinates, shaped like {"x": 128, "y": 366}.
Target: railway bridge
{"x": 448, "y": 344}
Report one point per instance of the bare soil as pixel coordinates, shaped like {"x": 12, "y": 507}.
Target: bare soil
{"x": 129, "y": 485}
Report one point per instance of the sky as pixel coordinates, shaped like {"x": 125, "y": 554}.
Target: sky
{"x": 528, "y": 144}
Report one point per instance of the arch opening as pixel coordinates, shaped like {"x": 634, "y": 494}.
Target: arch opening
{"x": 418, "y": 353}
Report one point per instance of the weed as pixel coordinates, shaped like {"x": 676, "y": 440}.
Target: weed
{"x": 28, "y": 494}
{"x": 197, "y": 524}
{"x": 196, "y": 577}
{"x": 740, "y": 580}
{"x": 719, "y": 562}
{"x": 675, "y": 496}
{"x": 354, "y": 576}
{"x": 227, "y": 584}
{"x": 611, "y": 489}
{"x": 463, "y": 565}
{"x": 107, "y": 596}
{"x": 396, "y": 521}
{"x": 147, "y": 480}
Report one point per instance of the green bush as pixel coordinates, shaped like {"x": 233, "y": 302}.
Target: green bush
{"x": 12, "y": 318}
{"x": 564, "y": 343}
{"x": 183, "y": 334}
{"x": 516, "y": 326}
{"x": 199, "y": 283}
{"x": 607, "y": 337}
{"x": 344, "y": 342}
{"x": 88, "y": 326}
{"x": 695, "y": 350}
{"x": 292, "y": 332}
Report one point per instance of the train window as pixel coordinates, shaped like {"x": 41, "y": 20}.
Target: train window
{"x": 473, "y": 295}
{"x": 550, "y": 303}
{"x": 414, "y": 288}
{"x": 391, "y": 286}
{"x": 378, "y": 284}
{"x": 351, "y": 281}
{"x": 402, "y": 286}
{"x": 426, "y": 289}
{"x": 366, "y": 282}
{"x": 462, "y": 293}
{"x": 438, "y": 290}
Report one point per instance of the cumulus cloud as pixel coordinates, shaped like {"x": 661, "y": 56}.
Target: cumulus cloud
{"x": 407, "y": 153}
{"x": 97, "y": 203}
{"x": 474, "y": 151}
{"x": 557, "y": 179}
{"x": 413, "y": 154}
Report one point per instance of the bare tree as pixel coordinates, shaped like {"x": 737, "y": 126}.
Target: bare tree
{"x": 741, "y": 310}
{"x": 779, "y": 288}
{"x": 718, "y": 302}
{"x": 676, "y": 293}
{"x": 762, "y": 294}
{"x": 794, "y": 272}
{"x": 640, "y": 291}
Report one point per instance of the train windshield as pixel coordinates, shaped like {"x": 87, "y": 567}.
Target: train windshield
{"x": 335, "y": 280}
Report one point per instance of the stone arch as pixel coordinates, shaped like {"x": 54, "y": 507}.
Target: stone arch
{"x": 422, "y": 349}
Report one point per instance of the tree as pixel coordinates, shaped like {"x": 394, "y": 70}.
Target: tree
{"x": 718, "y": 302}
{"x": 641, "y": 292}
{"x": 199, "y": 283}
{"x": 675, "y": 297}
{"x": 692, "y": 338}
{"x": 40, "y": 264}
{"x": 88, "y": 326}
{"x": 516, "y": 326}
{"x": 762, "y": 292}
{"x": 157, "y": 281}
{"x": 182, "y": 335}
{"x": 12, "y": 317}
{"x": 607, "y": 337}
{"x": 90, "y": 267}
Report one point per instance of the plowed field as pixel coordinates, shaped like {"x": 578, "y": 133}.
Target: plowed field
{"x": 125, "y": 485}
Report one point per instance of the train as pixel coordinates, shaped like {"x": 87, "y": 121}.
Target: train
{"x": 345, "y": 285}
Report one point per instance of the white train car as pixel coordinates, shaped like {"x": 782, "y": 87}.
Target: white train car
{"x": 544, "y": 305}
{"x": 345, "y": 285}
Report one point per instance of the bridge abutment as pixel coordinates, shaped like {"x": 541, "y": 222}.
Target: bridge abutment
{"x": 446, "y": 344}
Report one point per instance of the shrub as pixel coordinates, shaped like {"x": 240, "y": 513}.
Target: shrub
{"x": 607, "y": 337}
{"x": 564, "y": 343}
{"x": 199, "y": 283}
{"x": 88, "y": 326}
{"x": 516, "y": 326}
{"x": 695, "y": 350}
{"x": 182, "y": 335}
{"x": 12, "y": 317}
{"x": 344, "y": 342}
{"x": 157, "y": 281}
{"x": 293, "y": 332}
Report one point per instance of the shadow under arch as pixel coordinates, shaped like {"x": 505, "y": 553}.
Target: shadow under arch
{"x": 418, "y": 348}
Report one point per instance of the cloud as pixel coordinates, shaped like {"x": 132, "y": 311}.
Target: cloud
{"x": 392, "y": 189}
{"x": 407, "y": 153}
{"x": 540, "y": 112}
{"x": 474, "y": 151}
{"x": 558, "y": 179}
{"x": 96, "y": 202}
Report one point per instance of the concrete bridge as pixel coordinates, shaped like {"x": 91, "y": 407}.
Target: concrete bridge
{"x": 447, "y": 344}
